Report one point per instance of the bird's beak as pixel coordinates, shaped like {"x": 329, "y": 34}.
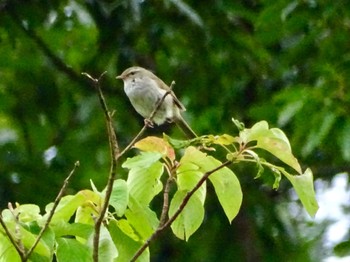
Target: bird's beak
{"x": 119, "y": 77}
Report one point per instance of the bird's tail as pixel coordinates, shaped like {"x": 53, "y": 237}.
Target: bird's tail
{"x": 184, "y": 126}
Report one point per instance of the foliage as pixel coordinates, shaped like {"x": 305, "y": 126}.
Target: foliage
{"x": 133, "y": 224}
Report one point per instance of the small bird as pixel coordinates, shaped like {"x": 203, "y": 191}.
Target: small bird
{"x": 145, "y": 90}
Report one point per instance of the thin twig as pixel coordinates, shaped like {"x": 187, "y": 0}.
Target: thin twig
{"x": 178, "y": 211}
{"x": 165, "y": 208}
{"x": 52, "y": 211}
{"x": 156, "y": 108}
{"x": 20, "y": 251}
{"x": 115, "y": 155}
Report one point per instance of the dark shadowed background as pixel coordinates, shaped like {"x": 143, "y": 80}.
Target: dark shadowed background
{"x": 287, "y": 62}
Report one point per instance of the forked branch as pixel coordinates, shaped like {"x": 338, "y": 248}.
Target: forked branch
{"x": 184, "y": 202}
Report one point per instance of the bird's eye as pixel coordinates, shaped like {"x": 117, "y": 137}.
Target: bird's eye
{"x": 132, "y": 73}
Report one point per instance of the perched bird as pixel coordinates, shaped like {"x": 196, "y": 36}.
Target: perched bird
{"x": 145, "y": 90}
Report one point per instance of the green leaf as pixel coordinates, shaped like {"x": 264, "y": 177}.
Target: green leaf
{"x": 107, "y": 251}
{"x": 190, "y": 218}
{"x": 120, "y": 196}
{"x": 62, "y": 228}
{"x": 303, "y": 185}
{"x": 7, "y": 250}
{"x": 144, "y": 182}
{"x": 194, "y": 164}
{"x": 127, "y": 246}
{"x": 198, "y": 159}
{"x": 278, "y": 178}
{"x": 144, "y": 160}
{"x": 176, "y": 143}
{"x": 219, "y": 139}
{"x": 28, "y": 213}
{"x": 127, "y": 229}
{"x": 141, "y": 218}
{"x": 69, "y": 250}
{"x": 188, "y": 176}
{"x": 28, "y": 239}
{"x": 238, "y": 124}
{"x": 88, "y": 207}
{"x": 258, "y": 161}
{"x": 272, "y": 140}
{"x": 156, "y": 144}
{"x": 66, "y": 208}
{"x": 228, "y": 190}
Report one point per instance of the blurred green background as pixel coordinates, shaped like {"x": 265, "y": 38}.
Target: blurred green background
{"x": 287, "y": 62}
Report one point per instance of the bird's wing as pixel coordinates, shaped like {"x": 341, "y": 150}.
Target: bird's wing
{"x": 167, "y": 88}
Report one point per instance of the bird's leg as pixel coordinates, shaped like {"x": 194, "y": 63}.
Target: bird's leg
{"x": 148, "y": 122}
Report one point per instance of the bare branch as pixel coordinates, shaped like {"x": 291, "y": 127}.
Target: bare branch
{"x": 52, "y": 211}
{"x": 165, "y": 208}
{"x": 156, "y": 108}
{"x": 115, "y": 155}
{"x": 19, "y": 249}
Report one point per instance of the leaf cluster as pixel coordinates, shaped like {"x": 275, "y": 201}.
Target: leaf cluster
{"x": 130, "y": 224}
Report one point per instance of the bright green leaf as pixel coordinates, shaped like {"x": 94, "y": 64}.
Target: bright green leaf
{"x": 120, "y": 197}
{"x": 127, "y": 229}
{"x": 127, "y": 246}
{"x": 238, "y": 124}
{"x": 66, "y": 208}
{"x": 88, "y": 207}
{"x": 107, "y": 251}
{"x": 219, "y": 140}
{"x": 28, "y": 213}
{"x": 7, "y": 250}
{"x": 156, "y": 144}
{"x": 278, "y": 178}
{"x": 303, "y": 185}
{"x": 194, "y": 164}
{"x": 141, "y": 218}
{"x": 176, "y": 143}
{"x": 43, "y": 248}
{"x": 190, "y": 218}
{"x": 62, "y": 228}
{"x": 272, "y": 140}
{"x": 188, "y": 176}
{"x": 144, "y": 160}
{"x": 69, "y": 250}
{"x": 228, "y": 190}
{"x": 144, "y": 182}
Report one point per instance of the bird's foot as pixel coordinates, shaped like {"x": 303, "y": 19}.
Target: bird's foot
{"x": 148, "y": 123}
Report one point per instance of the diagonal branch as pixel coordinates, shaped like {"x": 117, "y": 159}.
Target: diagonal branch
{"x": 156, "y": 108}
{"x": 114, "y": 151}
{"x": 19, "y": 250}
{"x": 52, "y": 211}
{"x": 25, "y": 255}
{"x": 178, "y": 212}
